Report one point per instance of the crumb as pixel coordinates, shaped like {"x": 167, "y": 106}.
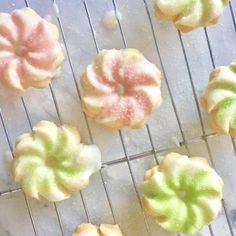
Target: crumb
{"x": 110, "y": 20}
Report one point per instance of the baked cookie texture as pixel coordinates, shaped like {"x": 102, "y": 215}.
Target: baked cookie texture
{"x": 183, "y": 194}
{"x": 102, "y": 230}
{"x": 219, "y": 99}
{"x": 121, "y": 88}
{"x": 30, "y": 54}
{"x": 50, "y": 162}
{"x": 188, "y": 15}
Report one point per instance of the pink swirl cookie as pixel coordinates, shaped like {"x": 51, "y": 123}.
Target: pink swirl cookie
{"x": 30, "y": 53}
{"x": 121, "y": 88}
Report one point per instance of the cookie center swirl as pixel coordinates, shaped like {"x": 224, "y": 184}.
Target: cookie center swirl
{"x": 120, "y": 89}
{"x": 20, "y": 50}
{"x": 182, "y": 193}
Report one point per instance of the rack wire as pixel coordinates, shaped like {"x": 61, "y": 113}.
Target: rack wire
{"x": 154, "y": 152}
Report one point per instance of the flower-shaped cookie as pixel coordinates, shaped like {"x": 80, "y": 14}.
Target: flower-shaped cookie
{"x": 219, "y": 99}
{"x": 102, "y": 230}
{"x": 188, "y": 15}
{"x": 30, "y": 54}
{"x": 51, "y": 162}
{"x": 121, "y": 88}
{"x": 183, "y": 194}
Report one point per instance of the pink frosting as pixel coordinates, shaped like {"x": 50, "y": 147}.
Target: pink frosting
{"x": 29, "y": 50}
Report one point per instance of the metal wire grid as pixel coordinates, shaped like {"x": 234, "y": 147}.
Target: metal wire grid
{"x": 127, "y": 158}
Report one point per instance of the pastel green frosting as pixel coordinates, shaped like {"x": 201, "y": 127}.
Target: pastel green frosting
{"x": 183, "y": 194}
{"x": 190, "y": 14}
{"x": 51, "y": 162}
{"x": 219, "y": 99}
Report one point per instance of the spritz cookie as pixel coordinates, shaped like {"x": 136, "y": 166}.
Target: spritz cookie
{"x": 102, "y": 230}
{"x": 121, "y": 88}
{"x": 50, "y": 162}
{"x": 183, "y": 194}
{"x": 219, "y": 99}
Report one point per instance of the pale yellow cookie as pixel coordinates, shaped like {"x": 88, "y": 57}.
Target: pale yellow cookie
{"x": 102, "y": 230}
{"x": 182, "y": 194}
{"x": 50, "y": 162}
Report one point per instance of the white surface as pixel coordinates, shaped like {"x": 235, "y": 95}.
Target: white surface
{"x": 14, "y": 217}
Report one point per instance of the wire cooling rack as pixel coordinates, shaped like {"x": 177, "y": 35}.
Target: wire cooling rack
{"x": 113, "y": 195}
